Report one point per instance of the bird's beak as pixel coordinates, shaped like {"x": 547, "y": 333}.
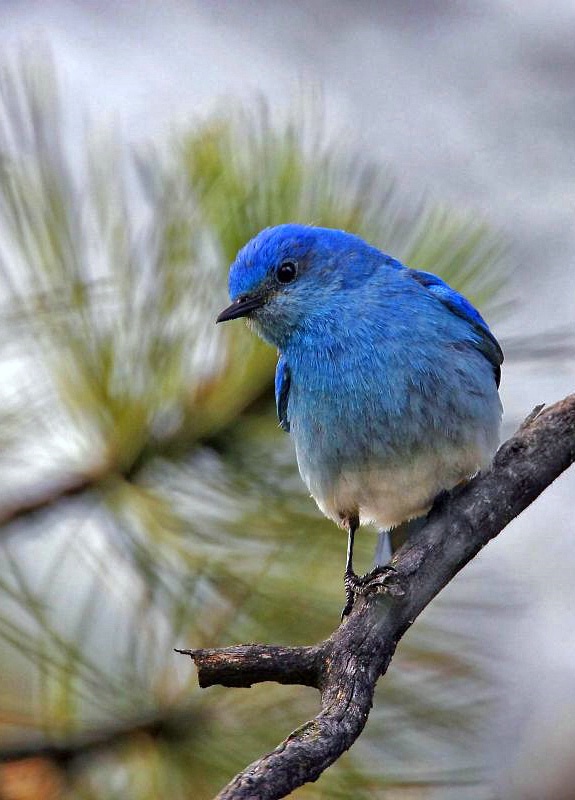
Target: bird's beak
{"x": 240, "y": 308}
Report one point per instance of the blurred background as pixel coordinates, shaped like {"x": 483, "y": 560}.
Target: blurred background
{"x": 148, "y": 498}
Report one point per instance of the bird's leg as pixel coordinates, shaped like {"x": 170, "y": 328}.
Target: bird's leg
{"x": 350, "y": 579}
{"x": 383, "y": 578}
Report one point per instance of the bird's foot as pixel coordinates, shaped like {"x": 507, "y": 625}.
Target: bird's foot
{"x": 381, "y": 580}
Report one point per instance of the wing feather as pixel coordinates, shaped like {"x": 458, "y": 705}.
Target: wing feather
{"x": 282, "y": 385}
{"x": 486, "y": 342}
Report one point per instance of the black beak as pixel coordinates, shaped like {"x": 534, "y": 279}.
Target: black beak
{"x": 240, "y": 308}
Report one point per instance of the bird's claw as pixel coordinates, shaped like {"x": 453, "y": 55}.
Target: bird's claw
{"x": 381, "y": 580}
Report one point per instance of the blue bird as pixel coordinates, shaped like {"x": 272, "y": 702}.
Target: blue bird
{"x": 387, "y": 378}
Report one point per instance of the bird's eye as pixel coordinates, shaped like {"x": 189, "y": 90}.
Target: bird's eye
{"x": 287, "y": 271}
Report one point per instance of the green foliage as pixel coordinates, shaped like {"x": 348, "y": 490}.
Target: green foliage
{"x": 197, "y": 529}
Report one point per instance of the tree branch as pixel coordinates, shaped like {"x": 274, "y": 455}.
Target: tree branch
{"x": 253, "y": 663}
{"x": 168, "y": 726}
{"x": 46, "y": 495}
{"x": 345, "y": 668}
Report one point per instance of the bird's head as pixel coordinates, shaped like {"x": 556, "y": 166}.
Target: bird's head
{"x": 289, "y": 276}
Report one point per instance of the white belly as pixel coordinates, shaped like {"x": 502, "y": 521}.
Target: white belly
{"x": 388, "y": 496}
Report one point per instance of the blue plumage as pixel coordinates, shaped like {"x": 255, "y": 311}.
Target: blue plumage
{"x": 387, "y": 378}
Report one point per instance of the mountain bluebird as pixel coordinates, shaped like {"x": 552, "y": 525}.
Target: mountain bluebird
{"x": 387, "y": 378}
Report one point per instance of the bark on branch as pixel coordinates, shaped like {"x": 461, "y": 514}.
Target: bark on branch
{"x": 345, "y": 668}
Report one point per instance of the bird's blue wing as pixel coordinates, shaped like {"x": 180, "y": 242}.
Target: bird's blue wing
{"x": 486, "y": 342}
{"x": 282, "y": 384}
